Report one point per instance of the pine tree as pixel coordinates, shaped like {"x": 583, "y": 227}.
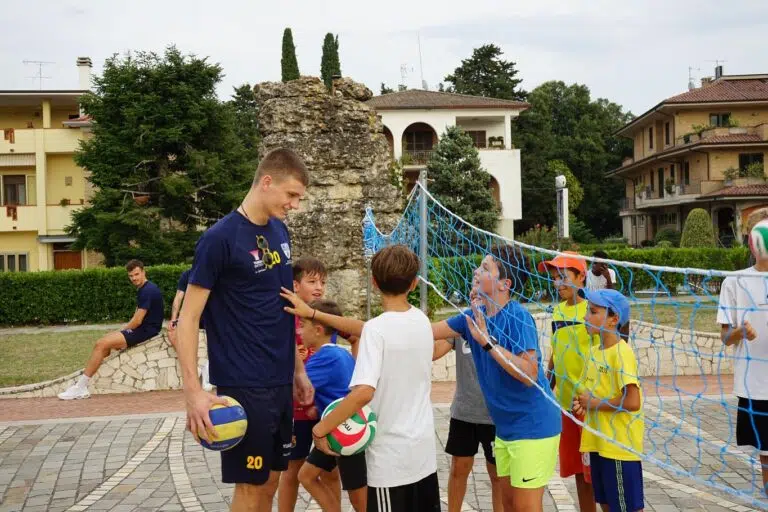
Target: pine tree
{"x": 459, "y": 183}
{"x": 329, "y": 63}
{"x": 386, "y": 89}
{"x": 485, "y": 73}
{"x": 289, "y": 64}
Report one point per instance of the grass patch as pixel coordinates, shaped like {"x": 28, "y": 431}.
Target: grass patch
{"x": 30, "y": 358}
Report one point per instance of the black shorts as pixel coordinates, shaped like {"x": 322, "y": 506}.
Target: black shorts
{"x": 267, "y": 442}
{"x": 752, "y": 424}
{"x": 464, "y": 439}
{"x": 302, "y": 439}
{"x": 352, "y": 469}
{"x": 421, "y": 496}
{"x": 135, "y": 336}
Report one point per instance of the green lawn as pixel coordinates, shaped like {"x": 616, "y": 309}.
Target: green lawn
{"x": 29, "y": 358}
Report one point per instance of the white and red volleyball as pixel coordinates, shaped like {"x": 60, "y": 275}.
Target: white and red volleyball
{"x": 354, "y": 435}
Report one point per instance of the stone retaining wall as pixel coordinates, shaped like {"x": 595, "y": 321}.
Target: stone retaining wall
{"x": 148, "y": 367}
{"x": 660, "y": 350}
{"x": 153, "y": 365}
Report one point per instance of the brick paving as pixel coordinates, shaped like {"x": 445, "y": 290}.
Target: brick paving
{"x": 58, "y": 456}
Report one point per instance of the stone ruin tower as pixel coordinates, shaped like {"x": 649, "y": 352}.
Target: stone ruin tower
{"x": 341, "y": 140}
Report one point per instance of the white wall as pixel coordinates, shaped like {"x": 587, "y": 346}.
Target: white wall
{"x": 503, "y": 165}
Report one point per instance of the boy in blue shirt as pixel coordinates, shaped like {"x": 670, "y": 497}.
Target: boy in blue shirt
{"x": 330, "y": 370}
{"x": 527, "y": 419}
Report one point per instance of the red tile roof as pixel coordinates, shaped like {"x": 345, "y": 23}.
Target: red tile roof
{"x": 416, "y": 98}
{"x": 742, "y": 191}
{"x": 732, "y": 138}
{"x": 725, "y": 90}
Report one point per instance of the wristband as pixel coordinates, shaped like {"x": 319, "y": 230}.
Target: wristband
{"x": 314, "y": 311}
{"x": 489, "y": 346}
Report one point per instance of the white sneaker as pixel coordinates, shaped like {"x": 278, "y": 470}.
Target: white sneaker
{"x": 207, "y": 386}
{"x": 74, "y": 392}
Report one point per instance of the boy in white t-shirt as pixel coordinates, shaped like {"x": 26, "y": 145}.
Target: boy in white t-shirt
{"x": 743, "y": 317}
{"x": 393, "y": 374}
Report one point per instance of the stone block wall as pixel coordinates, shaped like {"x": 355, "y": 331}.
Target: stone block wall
{"x": 660, "y": 350}
{"x": 151, "y": 366}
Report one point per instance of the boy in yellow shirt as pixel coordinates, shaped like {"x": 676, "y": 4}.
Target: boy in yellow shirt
{"x": 571, "y": 344}
{"x": 612, "y": 402}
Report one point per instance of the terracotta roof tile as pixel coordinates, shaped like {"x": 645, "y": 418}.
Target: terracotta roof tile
{"x": 416, "y": 98}
{"x": 742, "y": 191}
{"x": 725, "y": 90}
{"x": 732, "y": 138}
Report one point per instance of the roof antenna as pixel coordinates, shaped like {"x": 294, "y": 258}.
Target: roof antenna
{"x": 39, "y": 76}
{"x": 421, "y": 64}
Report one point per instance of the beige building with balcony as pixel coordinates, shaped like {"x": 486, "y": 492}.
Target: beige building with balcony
{"x": 40, "y": 184}
{"x": 414, "y": 120}
{"x": 694, "y": 150}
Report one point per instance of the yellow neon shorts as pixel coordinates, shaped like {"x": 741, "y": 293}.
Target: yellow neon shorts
{"x": 529, "y": 463}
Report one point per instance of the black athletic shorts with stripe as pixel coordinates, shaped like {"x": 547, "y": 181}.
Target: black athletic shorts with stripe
{"x": 421, "y": 496}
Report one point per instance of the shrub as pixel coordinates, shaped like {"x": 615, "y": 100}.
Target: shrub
{"x": 697, "y": 231}
{"x": 664, "y": 244}
{"x": 647, "y": 243}
{"x": 78, "y": 296}
{"x": 668, "y": 235}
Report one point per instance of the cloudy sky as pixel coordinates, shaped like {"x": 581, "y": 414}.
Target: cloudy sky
{"x": 634, "y": 53}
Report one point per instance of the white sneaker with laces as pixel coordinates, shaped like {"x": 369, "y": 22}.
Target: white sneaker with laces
{"x": 75, "y": 392}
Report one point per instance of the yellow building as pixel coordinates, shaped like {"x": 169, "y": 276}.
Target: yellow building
{"x": 693, "y": 150}
{"x": 40, "y": 184}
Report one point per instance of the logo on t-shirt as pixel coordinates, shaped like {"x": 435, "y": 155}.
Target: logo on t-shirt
{"x": 264, "y": 260}
{"x": 286, "y": 249}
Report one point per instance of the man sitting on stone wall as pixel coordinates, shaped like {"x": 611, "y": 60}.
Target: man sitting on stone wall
{"x": 144, "y": 325}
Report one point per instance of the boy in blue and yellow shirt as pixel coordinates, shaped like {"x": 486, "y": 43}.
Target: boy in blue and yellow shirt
{"x": 612, "y": 403}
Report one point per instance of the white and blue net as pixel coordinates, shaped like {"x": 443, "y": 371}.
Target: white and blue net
{"x": 685, "y": 371}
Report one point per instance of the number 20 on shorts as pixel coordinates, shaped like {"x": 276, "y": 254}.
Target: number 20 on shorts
{"x": 254, "y": 462}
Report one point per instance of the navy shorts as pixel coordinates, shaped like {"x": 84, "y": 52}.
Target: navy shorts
{"x": 352, "y": 468}
{"x": 302, "y": 439}
{"x": 267, "y": 442}
{"x": 135, "y": 336}
{"x": 617, "y": 483}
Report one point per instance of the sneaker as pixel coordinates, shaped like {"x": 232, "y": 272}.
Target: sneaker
{"x": 207, "y": 386}
{"x": 75, "y": 392}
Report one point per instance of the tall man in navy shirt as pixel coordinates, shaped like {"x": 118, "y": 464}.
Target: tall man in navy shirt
{"x": 145, "y": 324}
{"x": 240, "y": 265}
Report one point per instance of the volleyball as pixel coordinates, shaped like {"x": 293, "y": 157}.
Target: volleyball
{"x": 230, "y": 423}
{"x": 354, "y": 435}
{"x": 758, "y": 240}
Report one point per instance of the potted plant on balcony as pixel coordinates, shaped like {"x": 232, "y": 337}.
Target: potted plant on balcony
{"x": 496, "y": 142}
{"x": 64, "y": 202}
{"x": 669, "y": 186}
{"x": 730, "y": 174}
{"x": 755, "y": 171}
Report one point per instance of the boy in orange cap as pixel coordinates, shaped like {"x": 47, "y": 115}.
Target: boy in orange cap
{"x": 571, "y": 344}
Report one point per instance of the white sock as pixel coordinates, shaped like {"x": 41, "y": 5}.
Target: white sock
{"x": 83, "y": 381}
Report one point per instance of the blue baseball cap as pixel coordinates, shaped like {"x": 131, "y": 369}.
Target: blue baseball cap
{"x": 610, "y": 299}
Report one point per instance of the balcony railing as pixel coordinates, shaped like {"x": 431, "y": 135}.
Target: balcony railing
{"x": 420, "y": 157}
{"x": 627, "y": 203}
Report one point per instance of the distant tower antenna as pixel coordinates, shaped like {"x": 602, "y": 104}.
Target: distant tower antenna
{"x": 403, "y": 77}
{"x": 39, "y": 76}
{"x": 421, "y": 65}
{"x": 691, "y": 84}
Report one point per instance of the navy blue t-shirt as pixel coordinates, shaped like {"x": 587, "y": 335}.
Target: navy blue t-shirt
{"x": 183, "y": 281}
{"x": 150, "y": 297}
{"x": 250, "y": 337}
{"x": 518, "y": 411}
{"x": 330, "y": 370}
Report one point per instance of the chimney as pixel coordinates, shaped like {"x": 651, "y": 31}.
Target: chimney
{"x": 84, "y": 66}
{"x": 718, "y": 72}
{"x": 707, "y": 80}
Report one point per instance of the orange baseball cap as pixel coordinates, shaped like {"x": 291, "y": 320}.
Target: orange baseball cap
{"x": 564, "y": 260}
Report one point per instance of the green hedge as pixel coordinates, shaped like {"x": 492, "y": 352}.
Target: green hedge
{"x": 106, "y": 295}
{"x": 454, "y": 275}
{"x": 102, "y": 295}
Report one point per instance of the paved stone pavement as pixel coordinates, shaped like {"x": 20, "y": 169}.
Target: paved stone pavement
{"x": 148, "y": 462}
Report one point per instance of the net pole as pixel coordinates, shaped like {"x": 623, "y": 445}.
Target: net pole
{"x": 423, "y": 240}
